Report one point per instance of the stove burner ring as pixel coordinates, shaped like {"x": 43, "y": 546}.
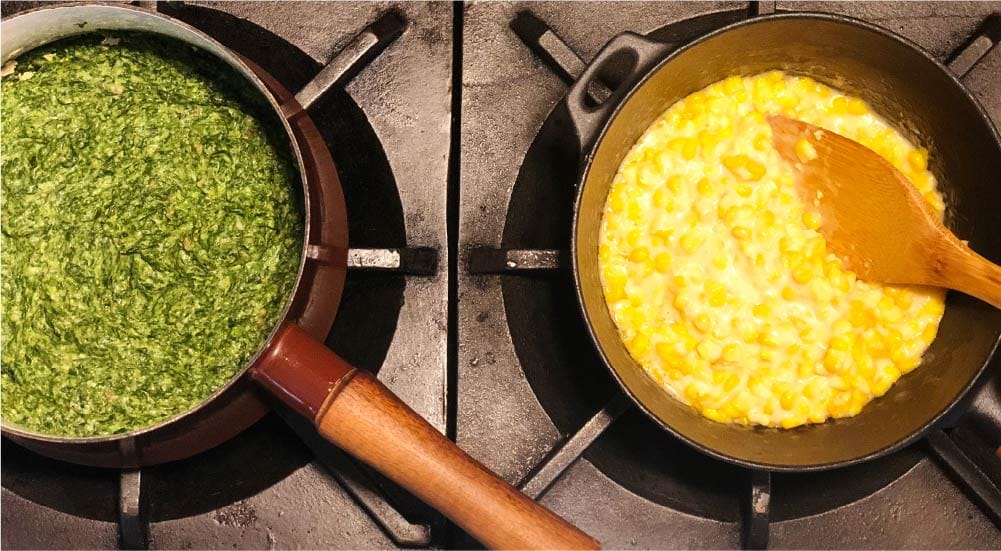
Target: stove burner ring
{"x": 571, "y": 384}
{"x": 89, "y": 492}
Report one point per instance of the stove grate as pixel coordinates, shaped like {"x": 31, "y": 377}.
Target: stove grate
{"x": 559, "y": 57}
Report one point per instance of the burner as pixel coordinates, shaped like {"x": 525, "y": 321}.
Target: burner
{"x": 367, "y": 315}
{"x": 223, "y": 476}
{"x": 567, "y": 376}
{"x": 277, "y": 454}
{"x": 521, "y": 233}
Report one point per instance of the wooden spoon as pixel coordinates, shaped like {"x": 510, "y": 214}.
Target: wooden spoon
{"x": 874, "y": 219}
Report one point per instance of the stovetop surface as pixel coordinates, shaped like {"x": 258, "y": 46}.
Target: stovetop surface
{"x": 449, "y": 140}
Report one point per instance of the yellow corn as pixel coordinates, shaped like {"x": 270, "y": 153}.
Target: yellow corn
{"x": 805, "y": 151}
{"x": 662, "y": 262}
{"x": 741, "y": 321}
{"x": 639, "y": 254}
{"x": 811, "y": 220}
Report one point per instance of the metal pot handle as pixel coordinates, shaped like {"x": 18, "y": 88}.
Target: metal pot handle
{"x": 354, "y": 411}
{"x": 589, "y": 119}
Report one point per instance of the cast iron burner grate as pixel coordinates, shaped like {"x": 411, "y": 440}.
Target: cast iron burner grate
{"x": 578, "y": 394}
{"x": 379, "y": 262}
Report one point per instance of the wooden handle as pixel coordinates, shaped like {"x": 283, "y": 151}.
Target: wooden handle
{"x": 357, "y": 413}
{"x": 965, "y": 270}
{"x": 365, "y": 419}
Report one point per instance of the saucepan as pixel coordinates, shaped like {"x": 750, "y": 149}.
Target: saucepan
{"x": 350, "y": 408}
{"x": 901, "y": 82}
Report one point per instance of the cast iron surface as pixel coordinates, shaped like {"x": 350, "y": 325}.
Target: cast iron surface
{"x": 532, "y": 359}
{"x": 386, "y": 323}
{"x": 862, "y": 60}
{"x": 553, "y": 359}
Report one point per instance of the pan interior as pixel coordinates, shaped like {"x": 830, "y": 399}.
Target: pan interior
{"x": 925, "y": 104}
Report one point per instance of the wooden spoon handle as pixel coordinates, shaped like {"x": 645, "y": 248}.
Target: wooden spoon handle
{"x": 965, "y": 270}
{"x": 357, "y": 413}
{"x": 368, "y": 421}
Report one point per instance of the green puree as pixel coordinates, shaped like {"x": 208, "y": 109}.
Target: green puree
{"x": 150, "y": 237}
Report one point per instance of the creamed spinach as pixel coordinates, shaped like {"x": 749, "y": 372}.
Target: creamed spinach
{"x": 150, "y": 237}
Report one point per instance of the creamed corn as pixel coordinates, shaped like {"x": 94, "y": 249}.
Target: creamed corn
{"x": 718, "y": 280}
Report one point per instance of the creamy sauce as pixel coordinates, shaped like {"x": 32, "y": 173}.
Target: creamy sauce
{"x": 715, "y": 274}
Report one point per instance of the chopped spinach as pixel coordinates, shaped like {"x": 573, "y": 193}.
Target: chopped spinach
{"x": 150, "y": 236}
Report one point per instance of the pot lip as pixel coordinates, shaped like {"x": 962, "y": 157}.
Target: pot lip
{"x": 234, "y": 60}
{"x": 586, "y": 161}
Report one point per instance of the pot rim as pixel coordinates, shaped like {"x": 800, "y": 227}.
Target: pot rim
{"x": 587, "y": 158}
{"x": 236, "y": 62}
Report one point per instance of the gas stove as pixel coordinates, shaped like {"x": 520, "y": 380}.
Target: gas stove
{"x": 445, "y": 124}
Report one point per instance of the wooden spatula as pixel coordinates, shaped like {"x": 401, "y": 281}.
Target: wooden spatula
{"x": 874, "y": 219}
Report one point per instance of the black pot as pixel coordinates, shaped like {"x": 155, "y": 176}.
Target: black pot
{"x": 901, "y": 82}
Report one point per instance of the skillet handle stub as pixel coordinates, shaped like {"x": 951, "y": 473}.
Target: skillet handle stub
{"x": 624, "y": 60}
{"x": 358, "y": 414}
{"x": 962, "y": 61}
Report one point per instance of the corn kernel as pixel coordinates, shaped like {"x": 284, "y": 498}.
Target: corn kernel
{"x": 660, "y": 198}
{"x": 755, "y": 170}
{"x": 639, "y": 254}
{"x": 662, "y": 262}
{"x": 721, "y": 261}
{"x": 716, "y": 415}
{"x": 744, "y": 190}
{"x": 805, "y": 370}
{"x": 929, "y": 332}
{"x": 792, "y": 421}
{"x": 834, "y": 361}
{"x": 856, "y": 106}
{"x": 640, "y": 345}
{"x": 740, "y": 232}
{"x": 811, "y": 220}
{"x": 692, "y": 393}
{"x": 839, "y": 106}
{"x": 771, "y": 405}
{"x": 717, "y": 298}
{"x": 705, "y": 187}
{"x": 918, "y": 160}
{"x": 762, "y": 142}
{"x": 674, "y": 183}
{"x": 805, "y": 151}
{"x": 733, "y": 84}
{"x": 841, "y": 343}
{"x": 708, "y": 141}
{"x": 768, "y": 338}
{"x": 704, "y": 323}
{"x": 617, "y": 201}
{"x": 735, "y": 163}
{"x": 802, "y": 274}
{"x": 761, "y": 311}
